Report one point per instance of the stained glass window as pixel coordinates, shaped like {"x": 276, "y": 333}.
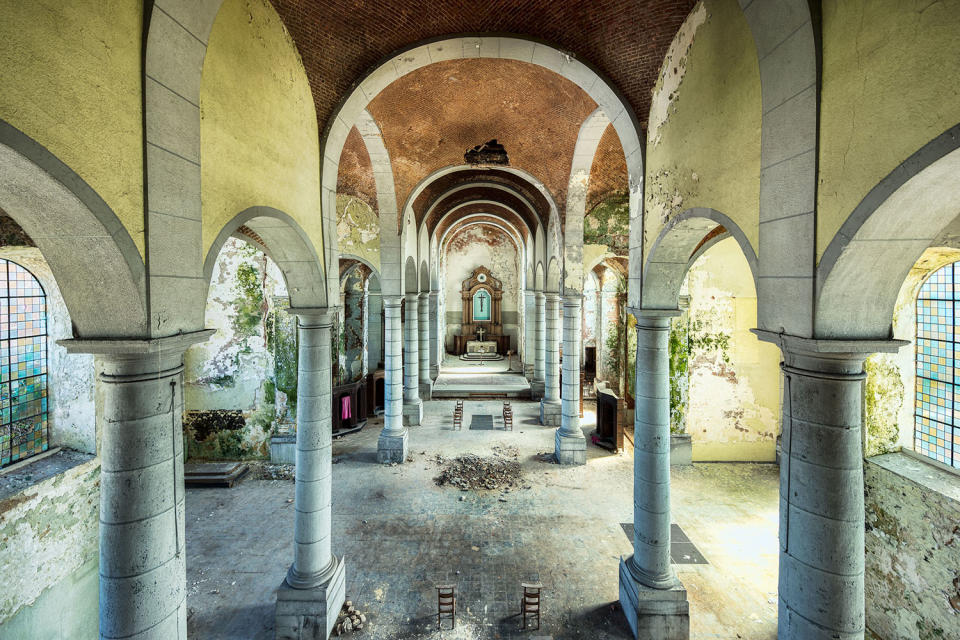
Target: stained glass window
{"x": 937, "y": 423}
{"x": 23, "y": 365}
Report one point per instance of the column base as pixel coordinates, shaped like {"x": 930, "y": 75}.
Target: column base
{"x": 434, "y": 372}
{"x": 681, "y": 450}
{"x": 392, "y": 448}
{"x": 528, "y": 372}
{"x": 550, "y": 415}
{"x": 426, "y": 390}
{"x": 537, "y": 389}
{"x": 309, "y": 614}
{"x": 654, "y": 614}
{"x": 570, "y": 449}
{"x": 412, "y": 413}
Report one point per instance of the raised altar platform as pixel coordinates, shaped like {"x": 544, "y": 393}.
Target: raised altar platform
{"x": 478, "y": 346}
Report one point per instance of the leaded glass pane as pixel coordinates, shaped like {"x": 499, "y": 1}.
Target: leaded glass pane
{"x": 23, "y": 365}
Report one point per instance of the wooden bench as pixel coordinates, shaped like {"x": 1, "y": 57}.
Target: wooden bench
{"x": 446, "y": 605}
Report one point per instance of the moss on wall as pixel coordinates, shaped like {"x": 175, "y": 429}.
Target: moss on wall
{"x": 70, "y": 78}
{"x": 679, "y": 374}
{"x": 608, "y": 224}
{"x": 703, "y": 147}
{"x": 259, "y": 138}
{"x": 358, "y": 229}
{"x": 883, "y": 398}
{"x": 891, "y": 83}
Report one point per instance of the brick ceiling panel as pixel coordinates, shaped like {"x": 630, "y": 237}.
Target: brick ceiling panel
{"x": 609, "y": 171}
{"x": 355, "y": 176}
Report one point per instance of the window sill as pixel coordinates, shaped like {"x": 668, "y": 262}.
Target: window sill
{"x": 32, "y": 471}
{"x": 927, "y": 473}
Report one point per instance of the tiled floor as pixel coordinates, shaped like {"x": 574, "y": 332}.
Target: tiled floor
{"x": 401, "y": 535}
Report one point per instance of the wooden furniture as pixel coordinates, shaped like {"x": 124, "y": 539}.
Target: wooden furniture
{"x": 458, "y": 416}
{"x": 530, "y": 602}
{"x": 446, "y": 605}
{"x": 609, "y": 431}
{"x": 481, "y": 284}
{"x": 507, "y": 416}
{"x": 376, "y": 392}
{"x": 356, "y": 394}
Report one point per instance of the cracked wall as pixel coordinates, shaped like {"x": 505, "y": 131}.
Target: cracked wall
{"x": 733, "y": 403}
{"x": 891, "y": 83}
{"x": 358, "y": 229}
{"x": 703, "y": 140}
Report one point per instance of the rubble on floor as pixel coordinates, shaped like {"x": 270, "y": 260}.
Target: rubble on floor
{"x": 270, "y": 471}
{"x": 471, "y": 472}
{"x": 349, "y": 619}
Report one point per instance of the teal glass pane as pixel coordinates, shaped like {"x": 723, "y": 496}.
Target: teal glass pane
{"x": 481, "y": 306}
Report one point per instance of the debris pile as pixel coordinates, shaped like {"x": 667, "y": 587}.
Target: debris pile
{"x": 271, "y": 471}
{"x": 467, "y": 472}
{"x": 349, "y": 619}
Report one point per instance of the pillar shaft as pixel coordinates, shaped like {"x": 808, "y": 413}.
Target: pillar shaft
{"x": 435, "y": 349}
{"x": 650, "y": 564}
{"x": 552, "y": 349}
{"x": 374, "y": 329}
{"x": 142, "y": 553}
{"x": 393, "y": 369}
{"x": 541, "y": 333}
{"x": 572, "y": 331}
{"x": 411, "y": 350}
{"x": 529, "y": 334}
{"x": 821, "y": 497}
{"x": 423, "y": 322}
{"x": 313, "y": 561}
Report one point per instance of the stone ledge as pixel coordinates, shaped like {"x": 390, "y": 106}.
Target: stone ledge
{"x": 929, "y": 474}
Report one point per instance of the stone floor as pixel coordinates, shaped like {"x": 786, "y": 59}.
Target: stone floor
{"x": 459, "y": 378}
{"x": 401, "y": 535}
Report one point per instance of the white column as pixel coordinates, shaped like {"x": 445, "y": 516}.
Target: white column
{"x": 530, "y": 334}
{"x": 314, "y": 588}
{"x": 821, "y": 588}
{"x": 654, "y": 601}
{"x": 570, "y": 445}
{"x": 550, "y": 409}
{"x": 392, "y": 444}
{"x": 412, "y": 406}
{"x": 374, "y": 329}
{"x": 423, "y": 321}
{"x": 142, "y": 554}
{"x": 436, "y": 341}
{"x": 537, "y": 386}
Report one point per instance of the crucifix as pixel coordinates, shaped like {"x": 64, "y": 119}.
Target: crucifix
{"x": 480, "y": 333}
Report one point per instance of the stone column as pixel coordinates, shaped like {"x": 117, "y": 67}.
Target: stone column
{"x": 374, "y": 329}
{"x": 142, "y": 555}
{"x": 530, "y": 334}
{"x": 537, "y": 387}
{"x": 312, "y": 593}
{"x": 423, "y": 321}
{"x": 412, "y": 405}
{"x": 653, "y": 599}
{"x": 392, "y": 444}
{"x": 821, "y": 486}
{"x": 550, "y": 404}
{"x": 436, "y": 342}
{"x": 570, "y": 445}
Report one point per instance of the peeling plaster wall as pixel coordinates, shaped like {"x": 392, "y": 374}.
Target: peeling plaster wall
{"x": 353, "y": 334}
{"x": 734, "y": 378}
{"x": 71, "y": 411}
{"x": 703, "y": 147}
{"x": 259, "y": 140}
{"x": 891, "y": 83}
{"x": 49, "y": 556}
{"x": 912, "y": 540}
{"x": 358, "y": 229}
{"x": 70, "y": 78}
{"x": 474, "y": 247}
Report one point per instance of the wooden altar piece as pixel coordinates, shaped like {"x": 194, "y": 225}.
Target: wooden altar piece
{"x": 479, "y": 330}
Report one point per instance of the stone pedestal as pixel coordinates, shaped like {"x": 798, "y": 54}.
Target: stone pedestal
{"x": 537, "y": 389}
{"x": 550, "y": 413}
{"x": 412, "y": 412}
{"x": 654, "y": 614}
{"x": 309, "y": 614}
{"x": 392, "y": 447}
{"x": 570, "y": 448}
{"x": 681, "y": 450}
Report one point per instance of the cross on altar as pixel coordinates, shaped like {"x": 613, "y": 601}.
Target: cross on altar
{"x": 480, "y": 333}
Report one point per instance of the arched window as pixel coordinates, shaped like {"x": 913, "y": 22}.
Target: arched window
{"x": 23, "y": 365}
{"x": 936, "y": 431}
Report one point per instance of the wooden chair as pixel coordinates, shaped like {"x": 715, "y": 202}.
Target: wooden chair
{"x": 446, "y": 604}
{"x": 507, "y": 419}
{"x": 530, "y": 604}
{"x": 457, "y": 419}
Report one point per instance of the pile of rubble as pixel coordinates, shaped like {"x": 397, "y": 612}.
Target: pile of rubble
{"x": 470, "y": 472}
{"x": 271, "y": 471}
{"x": 349, "y": 619}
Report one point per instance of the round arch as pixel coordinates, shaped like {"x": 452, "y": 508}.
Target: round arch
{"x": 94, "y": 260}
{"x": 287, "y": 245}
{"x": 675, "y": 249}
{"x": 860, "y": 274}
{"x": 373, "y": 270}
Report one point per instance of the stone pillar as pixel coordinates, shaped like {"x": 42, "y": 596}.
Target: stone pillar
{"x": 143, "y": 579}
{"x": 537, "y": 387}
{"x": 436, "y": 342}
{"x": 530, "y": 334}
{"x": 423, "y": 322}
{"x": 550, "y": 404}
{"x": 374, "y": 329}
{"x": 821, "y": 486}
{"x": 653, "y": 599}
{"x": 311, "y": 595}
{"x": 412, "y": 405}
{"x": 392, "y": 444}
{"x": 570, "y": 445}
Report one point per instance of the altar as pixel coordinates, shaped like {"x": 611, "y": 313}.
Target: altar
{"x": 481, "y": 331}
{"x": 481, "y": 346}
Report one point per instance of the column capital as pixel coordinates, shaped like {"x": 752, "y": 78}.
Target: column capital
{"x": 434, "y": 294}
{"x": 424, "y": 295}
{"x": 392, "y": 302}
{"x": 540, "y": 295}
{"x": 131, "y": 359}
{"x": 572, "y": 300}
{"x": 827, "y": 356}
{"x": 315, "y": 317}
{"x": 413, "y": 297}
{"x": 639, "y": 312}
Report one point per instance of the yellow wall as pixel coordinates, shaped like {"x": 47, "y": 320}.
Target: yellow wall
{"x": 891, "y": 83}
{"x": 703, "y": 146}
{"x": 259, "y": 139}
{"x": 70, "y": 78}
